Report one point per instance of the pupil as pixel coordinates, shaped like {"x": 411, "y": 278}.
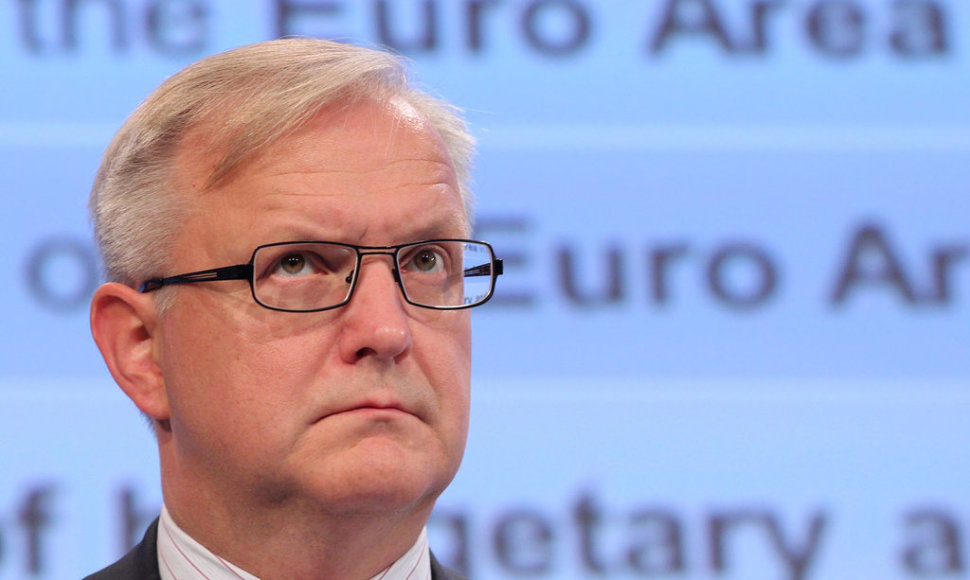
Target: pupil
{"x": 426, "y": 260}
{"x": 293, "y": 263}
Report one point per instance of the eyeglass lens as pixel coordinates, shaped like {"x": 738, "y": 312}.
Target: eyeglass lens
{"x": 316, "y": 275}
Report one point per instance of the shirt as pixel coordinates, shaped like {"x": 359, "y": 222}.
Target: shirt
{"x": 182, "y": 558}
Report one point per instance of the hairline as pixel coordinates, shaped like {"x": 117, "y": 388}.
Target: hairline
{"x": 160, "y": 198}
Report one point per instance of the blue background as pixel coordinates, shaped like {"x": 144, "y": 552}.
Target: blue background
{"x": 592, "y": 415}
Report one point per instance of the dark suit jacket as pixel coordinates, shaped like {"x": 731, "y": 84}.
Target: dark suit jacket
{"x": 141, "y": 563}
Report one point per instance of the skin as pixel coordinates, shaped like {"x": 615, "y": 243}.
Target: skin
{"x": 303, "y": 445}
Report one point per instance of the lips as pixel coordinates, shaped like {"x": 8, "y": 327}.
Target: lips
{"x": 392, "y": 409}
{"x": 368, "y": 405}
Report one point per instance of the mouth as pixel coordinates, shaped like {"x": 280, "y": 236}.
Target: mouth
{"x": 374, "y": 409}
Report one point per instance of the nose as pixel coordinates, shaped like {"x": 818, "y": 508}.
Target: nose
{"x": 375, "y": 323}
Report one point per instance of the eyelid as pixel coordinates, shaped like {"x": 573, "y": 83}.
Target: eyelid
{"x": 274, "y": 260}
{"x": 440, "y": 249}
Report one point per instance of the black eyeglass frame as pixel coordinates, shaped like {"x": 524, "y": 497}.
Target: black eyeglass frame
{"x": 493, "y": 269}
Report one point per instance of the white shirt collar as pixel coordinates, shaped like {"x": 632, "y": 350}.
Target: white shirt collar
{"x": 182, "y": 558}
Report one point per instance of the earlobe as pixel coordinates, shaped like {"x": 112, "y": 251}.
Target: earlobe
{"x": 125, "y": 325}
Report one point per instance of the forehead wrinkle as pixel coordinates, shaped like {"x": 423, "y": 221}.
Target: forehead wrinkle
{"x": 440, "y": 175}
{"x": 442, "y": 219}
{"x": 439, "y": 168}
{"x": 433, "y": 188}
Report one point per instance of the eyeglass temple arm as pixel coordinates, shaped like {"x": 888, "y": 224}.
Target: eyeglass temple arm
{"x": 238, "y": 272}
{"x": 492, "y": 268}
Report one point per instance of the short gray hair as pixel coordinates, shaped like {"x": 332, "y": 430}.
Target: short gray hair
{"x": 253, "y": 96}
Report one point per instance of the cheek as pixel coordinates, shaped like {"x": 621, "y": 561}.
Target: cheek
{"x": 239, "y": 367}
{"x": 224, "y": 338}
{"x": 444, "y": 351}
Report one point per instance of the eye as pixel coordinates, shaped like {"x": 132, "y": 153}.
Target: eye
{"x": 298, "y": 261}
{"x": 426, "y": 261}
{"x": 294, "y": 265}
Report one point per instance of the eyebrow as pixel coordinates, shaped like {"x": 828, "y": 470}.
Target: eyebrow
{"x": 444, "y": 229}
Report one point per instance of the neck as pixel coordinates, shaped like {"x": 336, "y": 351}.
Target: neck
{"x": 356, "y": 549}
{"x": 289, "y": 537}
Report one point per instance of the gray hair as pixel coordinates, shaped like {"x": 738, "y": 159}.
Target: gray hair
{"x": 252, "y": 96}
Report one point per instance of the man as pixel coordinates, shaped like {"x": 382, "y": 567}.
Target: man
{"x": 285, "y": 230}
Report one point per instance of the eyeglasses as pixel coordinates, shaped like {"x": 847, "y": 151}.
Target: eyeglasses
{"x": 311, "y": 276}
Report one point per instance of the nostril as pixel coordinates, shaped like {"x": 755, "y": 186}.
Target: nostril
{"x": 365, "y": 352}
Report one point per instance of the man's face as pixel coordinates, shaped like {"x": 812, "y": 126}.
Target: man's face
{"x": 361, "y": 409}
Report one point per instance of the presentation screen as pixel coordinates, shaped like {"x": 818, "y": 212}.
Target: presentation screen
{"x": 731, "y": 337}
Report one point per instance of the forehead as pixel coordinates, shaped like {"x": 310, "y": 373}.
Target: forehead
{"x": 347, "y": 128}
{"x": 350, "y": 170}
{"x": 359, "y": 139}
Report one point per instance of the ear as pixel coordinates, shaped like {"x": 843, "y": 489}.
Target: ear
{"x": 125, "y": 325}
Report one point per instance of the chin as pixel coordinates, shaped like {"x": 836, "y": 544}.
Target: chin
{"x": 380, "y": 475}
